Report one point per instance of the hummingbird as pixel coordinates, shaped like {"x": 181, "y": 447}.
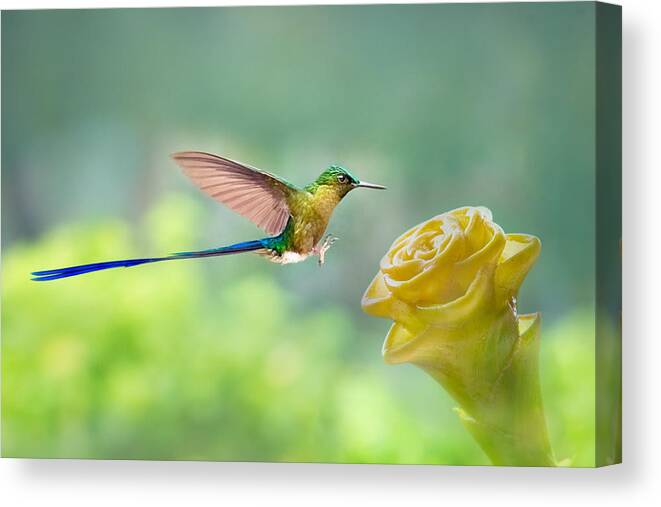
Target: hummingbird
{"x": 294, "y": 218}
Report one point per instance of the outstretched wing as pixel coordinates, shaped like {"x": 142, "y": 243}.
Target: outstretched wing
{"x": 255, "y": 194}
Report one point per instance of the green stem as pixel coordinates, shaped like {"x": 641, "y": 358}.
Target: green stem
{"x": 502, "y": 407}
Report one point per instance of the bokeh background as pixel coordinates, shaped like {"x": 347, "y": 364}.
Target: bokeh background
{"x": 236, "y": 358}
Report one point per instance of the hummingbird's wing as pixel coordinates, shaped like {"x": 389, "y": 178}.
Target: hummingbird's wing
{"x": 255, "y": 194}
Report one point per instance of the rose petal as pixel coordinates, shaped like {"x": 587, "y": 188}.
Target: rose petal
{"x": 491, "y": 249}
{"x": 465, "y": 271}
{"x": 518, "y": 256}
{"x": 401, "y": 270}
{"x": 477, "y": 232}
{"x": 428, "y": 281}
{"x": 394, "y": 347}
{"x": 467, "y": 307}
{"x": 485, "y": 212}
{"x": 529, "y": 326}
{"x": 377, "y": 300}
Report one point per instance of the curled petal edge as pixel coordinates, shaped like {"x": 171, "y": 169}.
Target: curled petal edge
{"x": 377, "y": 299}
{"x": 379, "y": 302}
{"x": 518, "y": 257}
{"x": 529, "y": 327}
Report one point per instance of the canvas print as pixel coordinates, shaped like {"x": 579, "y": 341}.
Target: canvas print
{"x": 345, "y": 234}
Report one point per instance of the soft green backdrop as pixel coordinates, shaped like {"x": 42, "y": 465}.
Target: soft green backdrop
{"x": 235, "y": 358}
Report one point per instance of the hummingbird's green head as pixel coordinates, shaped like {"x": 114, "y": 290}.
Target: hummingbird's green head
{"x": 341, "y": 180}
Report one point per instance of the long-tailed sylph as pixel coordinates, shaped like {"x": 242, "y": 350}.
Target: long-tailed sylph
{"x": 295, "y": 218}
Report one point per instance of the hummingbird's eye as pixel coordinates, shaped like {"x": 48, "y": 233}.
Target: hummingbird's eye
{"x": 342, "y": 178}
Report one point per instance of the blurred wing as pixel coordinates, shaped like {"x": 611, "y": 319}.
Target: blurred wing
{"x": 255, "y": 194}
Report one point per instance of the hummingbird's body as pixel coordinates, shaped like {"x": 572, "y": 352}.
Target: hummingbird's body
{"x": 311, "y": 211}
{"x": 296, "y": 218}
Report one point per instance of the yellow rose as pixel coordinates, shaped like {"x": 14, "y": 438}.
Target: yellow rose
{"x": 446, "y": 271}
{"x": 450, "y": 286}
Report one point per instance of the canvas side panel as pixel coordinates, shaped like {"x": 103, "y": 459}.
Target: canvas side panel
{"x": 608, "y": 316}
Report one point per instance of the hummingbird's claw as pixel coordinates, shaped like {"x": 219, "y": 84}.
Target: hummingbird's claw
{"x": 325, "y": 245}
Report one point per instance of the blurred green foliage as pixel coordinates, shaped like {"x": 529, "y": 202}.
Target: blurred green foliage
{"x": 166, "y": 362}
{"x": 234, "y": 358}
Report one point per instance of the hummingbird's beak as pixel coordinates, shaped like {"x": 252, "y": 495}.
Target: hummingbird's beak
{"x": 365, "y": 184}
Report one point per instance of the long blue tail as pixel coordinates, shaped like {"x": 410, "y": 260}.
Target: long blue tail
{"x": 54, "y": 274}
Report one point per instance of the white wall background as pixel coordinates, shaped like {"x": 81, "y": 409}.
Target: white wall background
{"x": 637, "y": 482}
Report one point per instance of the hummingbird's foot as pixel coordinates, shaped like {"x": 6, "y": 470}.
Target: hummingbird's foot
{"x": 325, "y": 245}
